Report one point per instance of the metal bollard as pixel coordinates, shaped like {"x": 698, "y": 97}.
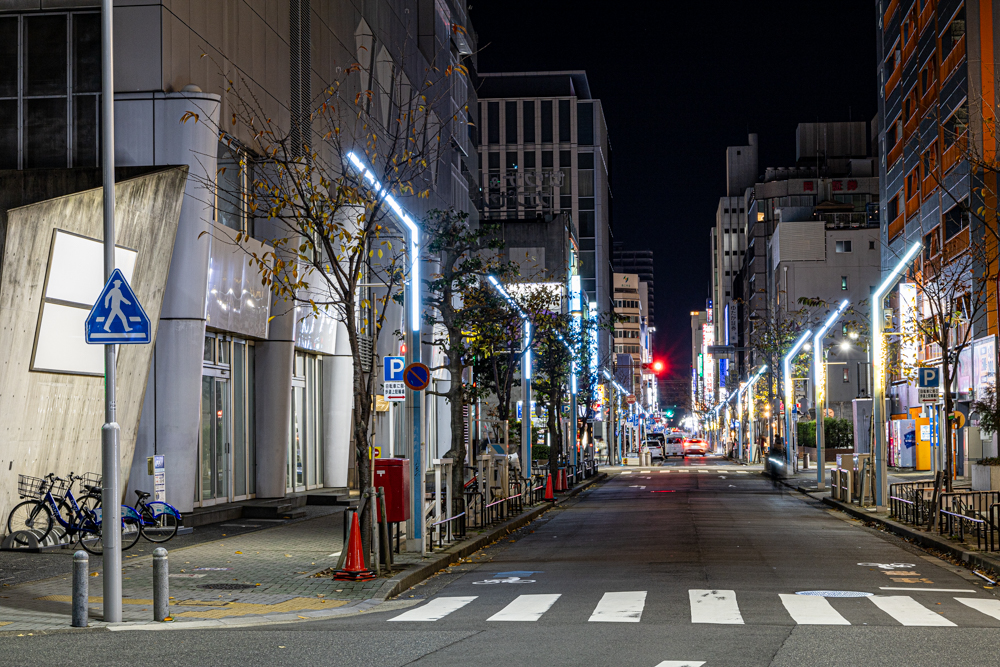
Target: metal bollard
{"x": 81, "y": 588}
{"x": 161, "y": 585}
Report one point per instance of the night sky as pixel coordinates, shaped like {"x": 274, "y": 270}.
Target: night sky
{"x": 679, "y": 82}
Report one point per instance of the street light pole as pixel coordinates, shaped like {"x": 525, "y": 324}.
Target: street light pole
{"x": 878, "y": 373}
{"x": 110, "y": 432}
{"x": 819, "y": 392}
{"x": 790, "y": 396}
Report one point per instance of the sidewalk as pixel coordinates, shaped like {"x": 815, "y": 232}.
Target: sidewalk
{"x": 259, "y": 577}
{"x": 989, "y": 562}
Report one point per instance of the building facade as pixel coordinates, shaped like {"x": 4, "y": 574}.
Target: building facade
{"x": 243, "y": 398}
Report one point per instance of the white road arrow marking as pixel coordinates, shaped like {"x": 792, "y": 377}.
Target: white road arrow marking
{"x": 636, "y": 486}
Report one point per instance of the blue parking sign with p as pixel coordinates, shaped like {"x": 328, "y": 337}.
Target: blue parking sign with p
{"x": 393, "y": 369}
{"x": 930, "y": 377}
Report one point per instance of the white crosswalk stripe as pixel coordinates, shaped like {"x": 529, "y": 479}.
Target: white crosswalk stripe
{"x": 525, "y": 608}
{"x": 988, "y": 607}
{"x": 714, "y": 606}
{"x": 624, "y": 607}
{"x": 707, "y": 606}
{"x": 435, "y": 610}
{"x": 909, "y": 612}
{"x": 811, "y": 610}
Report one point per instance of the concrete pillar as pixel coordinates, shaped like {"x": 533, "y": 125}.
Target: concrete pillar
{"x": 338, "y": 390}
{"x": 273, "y": 399}
{"x": 148, "y": 131}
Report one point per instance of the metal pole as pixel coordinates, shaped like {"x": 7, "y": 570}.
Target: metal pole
{"x": 111, "y": 520}
{"x": 81, "y": 588}
{"x": 526, "y": 402}
{"x": 161, "y": 585}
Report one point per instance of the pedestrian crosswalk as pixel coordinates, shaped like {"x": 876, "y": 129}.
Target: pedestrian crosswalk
{"x": 717, "y": 607}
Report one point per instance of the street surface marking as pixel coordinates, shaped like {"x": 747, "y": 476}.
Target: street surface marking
{"x": 927, "y": 590}
{"x": 663, "y": 471}
{"x": 742, "y": 472}
{"x": 436, "y": 609}
{"x": 627, "y": 472}
{"x": 909, "y": 612}
{"x": 623, "y": 607}
{"x": 713, "y": 606}
{"x": 811, "y": 610}
{"x": 703, "y": 471}
{"x": 681, "y": 663}
{"x": 988, "y": 607}
{"x": 525, "y": 608}
{"x": 888, "y": 566}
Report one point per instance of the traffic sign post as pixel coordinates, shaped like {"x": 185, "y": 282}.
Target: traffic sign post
{"x": 117, "y": 316}
{"x": 417, "y": 376}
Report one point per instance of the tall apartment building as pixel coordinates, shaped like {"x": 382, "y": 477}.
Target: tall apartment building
{"x": 242, "y": 401}
{"x": 544, "y": 149}
{"x": 633, "y": 336}
{"x": 937, "y": 110}
{"x": 639, "y": 262}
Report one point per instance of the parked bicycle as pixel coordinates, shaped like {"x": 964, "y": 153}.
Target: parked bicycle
{"x": 158, "y": 521}
{"x": 51, "y": 501}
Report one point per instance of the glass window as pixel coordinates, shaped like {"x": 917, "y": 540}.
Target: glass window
{"x": 585, "y": 123}
{"x": 209, "y": 351}
{"x": 251, "y": 423}
{"x": 585, "y": 160}
{"x": 233, "y": 181}
{"x": 843, "y": 283}
{"x": 511, "y": 163}
{"x": 546, "y": 121}
{"x": 45, "y": 132}
{"x": 493, "y": 122}
{"x": 494, "y": 161}
{"x": 585, "y": 182}
{"x": 564, "y": 124}
{"x": 529, "y": 159}
{"x": 528, "y": 121}
{"x": 843, "y": 246}
{"x": 44, "y": 61}
{"x": 510, "y": 121}
{"x": 547, "y": 160}
{"x": 587, "y": 220}
{"x": 239, "y": 420}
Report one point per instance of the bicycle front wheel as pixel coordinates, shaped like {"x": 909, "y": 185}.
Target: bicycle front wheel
{"x": 30, "y": 516}
{"x": 92, "y": 535}
{"x": 162, "y": 526}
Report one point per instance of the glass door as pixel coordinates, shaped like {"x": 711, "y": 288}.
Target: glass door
{"x": 305, "y": 433}
{"x": 216, "y": 445}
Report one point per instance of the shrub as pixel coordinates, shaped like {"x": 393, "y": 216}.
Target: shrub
{"x": 839, "y": 433}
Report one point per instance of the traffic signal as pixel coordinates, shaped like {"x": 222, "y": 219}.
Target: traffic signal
{"x": 655, "y": 366}
{"x": 670, "y": 414}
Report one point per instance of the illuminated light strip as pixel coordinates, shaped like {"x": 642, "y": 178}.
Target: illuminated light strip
{"x": 789, "y": 390}
{"x": 819, "y": 368}
{"x": 414, "y": 238}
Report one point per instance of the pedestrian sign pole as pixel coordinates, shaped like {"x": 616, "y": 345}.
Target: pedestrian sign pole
{"x": 111, "y": 514}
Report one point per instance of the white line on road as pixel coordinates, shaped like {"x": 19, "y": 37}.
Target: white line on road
{"x": 625, "y": 607}
{"x": 909, "y": 612}
{"x": 927, "y": 590}
{"x": 663, "y": 471}
{"x": 681, "y": 663}
{"x": 338, "y": 553}
{"x": 988, "y": 607}
{"x": 811, "y": 610}
{"x": 713, "y": 606}
{"x": 525, "y": 608}
{"x": 435, "y": 610}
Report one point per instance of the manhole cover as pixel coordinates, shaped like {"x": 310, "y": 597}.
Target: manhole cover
{"x": 227, "y": 587}
{"x": 825, "y": 594}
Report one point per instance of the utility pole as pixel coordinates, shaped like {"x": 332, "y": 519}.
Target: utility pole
{"x": 111, "y": 504}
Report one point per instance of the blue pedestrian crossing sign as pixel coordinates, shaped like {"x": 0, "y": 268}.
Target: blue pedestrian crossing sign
{"x": 117, "y": 318}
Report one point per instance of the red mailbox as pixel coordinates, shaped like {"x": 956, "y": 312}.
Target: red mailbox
{"x": 394, "y": 475}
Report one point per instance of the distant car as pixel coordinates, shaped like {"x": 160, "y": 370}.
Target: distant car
{"x": 654, "y": 448}
{"x": 695, "y": 446}
{"x": 673, "y": 446}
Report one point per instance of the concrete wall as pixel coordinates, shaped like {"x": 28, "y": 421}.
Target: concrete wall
{"x": 52, "y": 422}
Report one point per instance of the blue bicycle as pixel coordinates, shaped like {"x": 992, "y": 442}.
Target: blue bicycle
{"x": 51, "y": 499}
{"x": 158, "y": 521}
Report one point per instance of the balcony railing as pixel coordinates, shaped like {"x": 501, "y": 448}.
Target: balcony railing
{"x": 849, "y": 221}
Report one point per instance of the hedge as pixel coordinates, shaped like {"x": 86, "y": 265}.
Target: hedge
{"x": 839, "y": 433}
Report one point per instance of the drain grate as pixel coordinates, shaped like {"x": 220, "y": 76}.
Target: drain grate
{"x": 227, "y": 587}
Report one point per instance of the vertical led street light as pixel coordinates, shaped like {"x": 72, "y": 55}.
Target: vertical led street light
{"x": 414, "y": 524}
{"x": 786, "y": 365}
{"x": 750, "y": 408}
{"x": 819, "y": 392}
{"x": 525, "y": 454}
{"x": 878, "y": 372}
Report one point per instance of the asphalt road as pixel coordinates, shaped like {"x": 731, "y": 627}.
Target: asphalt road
{"x": 695, "y": 563}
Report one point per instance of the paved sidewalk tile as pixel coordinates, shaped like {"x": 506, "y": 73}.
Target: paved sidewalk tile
{"x": 258, "y": 575}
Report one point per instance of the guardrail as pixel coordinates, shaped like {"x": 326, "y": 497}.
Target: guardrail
{"x": 911, "y": 502}
{"x": 967, "y": 511}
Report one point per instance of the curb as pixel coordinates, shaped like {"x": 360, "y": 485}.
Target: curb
{"x": 407, "y": 579}
{"x": 923, "y": 539}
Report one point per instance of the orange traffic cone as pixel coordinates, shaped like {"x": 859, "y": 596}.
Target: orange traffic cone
{"x": 548, "y": 488}
{"x": 565, "y": 480}
{"x": 354, "y": 567}
{"x": 559, "y": 481}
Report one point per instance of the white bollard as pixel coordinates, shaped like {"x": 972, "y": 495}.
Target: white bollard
{"x": 161, "y": 585}
{"x": 81, "y": 588}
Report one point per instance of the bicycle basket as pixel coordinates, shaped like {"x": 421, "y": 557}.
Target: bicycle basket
{"x": 30, "y": 487}
{"x": 59, "y": 488}
{"x": 92, "y": 481}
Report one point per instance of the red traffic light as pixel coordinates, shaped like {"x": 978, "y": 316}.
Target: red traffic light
{"x": 657, "y": 366}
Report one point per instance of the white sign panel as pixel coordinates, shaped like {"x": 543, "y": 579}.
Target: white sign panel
{"x": 392, "y": 378}
{"x": 929, "y": 394}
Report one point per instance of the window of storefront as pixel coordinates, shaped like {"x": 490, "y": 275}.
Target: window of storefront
{"x": 305, "y": 433}
{"x": 227, "y": 450}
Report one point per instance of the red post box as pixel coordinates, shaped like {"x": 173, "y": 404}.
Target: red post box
{"x": 394, "y": 476}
